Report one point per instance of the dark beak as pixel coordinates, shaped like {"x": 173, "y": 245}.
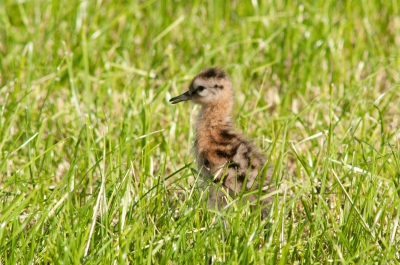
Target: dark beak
{"x": 185, "y": 96}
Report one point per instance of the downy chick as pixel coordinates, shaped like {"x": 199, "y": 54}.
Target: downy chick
{"x": 223, "y": 154}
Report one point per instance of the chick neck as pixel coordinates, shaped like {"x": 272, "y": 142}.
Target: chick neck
{"x": 212, "y": 115}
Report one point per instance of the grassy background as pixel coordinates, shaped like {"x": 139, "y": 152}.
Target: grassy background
{"x": 95, "y": 164}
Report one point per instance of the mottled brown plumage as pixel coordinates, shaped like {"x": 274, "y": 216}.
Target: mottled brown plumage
{"x": 223, "y": 154}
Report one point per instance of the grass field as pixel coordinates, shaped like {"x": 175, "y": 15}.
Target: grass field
{"x": 96, "y": 166}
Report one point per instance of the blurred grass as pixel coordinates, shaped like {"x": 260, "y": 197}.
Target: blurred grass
{"x": 95, "y": 164}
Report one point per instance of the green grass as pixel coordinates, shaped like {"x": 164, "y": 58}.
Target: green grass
{"x": 96, "y": 166}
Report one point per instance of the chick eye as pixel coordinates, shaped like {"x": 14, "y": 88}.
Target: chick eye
{"x": 200, "y": 88}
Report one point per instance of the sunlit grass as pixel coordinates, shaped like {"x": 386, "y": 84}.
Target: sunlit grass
{"x": 96, "y": 166}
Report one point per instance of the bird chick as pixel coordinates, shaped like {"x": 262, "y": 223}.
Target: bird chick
{"x": 223, "y": 154}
